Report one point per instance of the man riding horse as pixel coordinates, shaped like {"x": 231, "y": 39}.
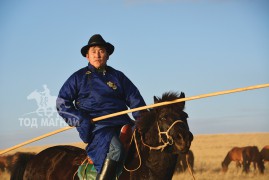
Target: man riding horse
{"x": 94, "y": 91}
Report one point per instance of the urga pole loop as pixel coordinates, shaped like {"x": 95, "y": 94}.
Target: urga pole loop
{"x": 139, "y": 109}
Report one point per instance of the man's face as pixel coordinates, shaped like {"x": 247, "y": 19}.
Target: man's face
{"x": 97, "y": 56}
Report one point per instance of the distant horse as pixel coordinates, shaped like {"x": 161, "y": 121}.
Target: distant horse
{"x": 3, "y": 163}
{"x": 7, "y": 162}
{"x": 161, "y": 134}
{"x": 265, "y": 153}
{"x": 182, "y": 159}
{"x": 244, "y": 156}
{"x": 256, "y": 158}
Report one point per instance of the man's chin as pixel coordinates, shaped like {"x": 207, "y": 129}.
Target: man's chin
{"x": 98, "y": 65}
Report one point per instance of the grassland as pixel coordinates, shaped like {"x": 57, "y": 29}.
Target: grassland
{"x": 209, "y": 151}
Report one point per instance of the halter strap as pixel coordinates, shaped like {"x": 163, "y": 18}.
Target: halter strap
{"x": 161, "y": 147}
{"x": 157, "y": 147}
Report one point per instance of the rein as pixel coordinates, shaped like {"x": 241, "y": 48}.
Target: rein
{"x": 137, "y": 149}
{"x": 189, "y": 167}
{"x": 85, "y": 168}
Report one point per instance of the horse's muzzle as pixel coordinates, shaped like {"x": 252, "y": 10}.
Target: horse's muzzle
{"x": 183, "y": 143}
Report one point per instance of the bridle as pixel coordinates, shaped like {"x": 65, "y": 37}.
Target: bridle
{"x": 169, "y": 138}
{"x": 169, "y": 141}
{"x": 152, "y": 147}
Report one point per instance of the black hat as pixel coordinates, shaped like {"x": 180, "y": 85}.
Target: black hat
{"x": 97, "y": 40}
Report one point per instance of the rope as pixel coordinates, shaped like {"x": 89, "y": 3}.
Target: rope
{"x": 78, "y": 168}
{"x": 139, "y": 109}
{"x": 158, "y": 147}
{"x": 189, "y": 167}
{"x": 160, "y": 137}
{"x": 138, "y": 152}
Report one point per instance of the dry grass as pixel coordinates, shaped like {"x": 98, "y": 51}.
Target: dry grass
{"x": 209, "y": 151}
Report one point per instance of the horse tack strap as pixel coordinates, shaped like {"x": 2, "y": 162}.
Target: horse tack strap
{"x": 85, "y": 160}
{"x": 154, "y": 148}
{"x": 150, "y": 147}
{"x": 167, "y": 133}
{"x": 161, "y": 147}
{"x": 189, "y": 167}
{"x": 139, "y": 156}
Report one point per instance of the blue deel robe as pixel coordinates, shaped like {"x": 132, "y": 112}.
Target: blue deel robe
{"x": 90, "y": 93}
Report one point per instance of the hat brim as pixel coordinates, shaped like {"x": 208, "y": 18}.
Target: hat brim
{"x": 109, "y": 48}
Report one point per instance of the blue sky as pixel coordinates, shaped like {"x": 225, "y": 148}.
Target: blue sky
{"x": 197, "y": 47}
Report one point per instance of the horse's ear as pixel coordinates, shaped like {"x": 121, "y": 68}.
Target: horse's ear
{"x": 182, "y": 95}
{"x": 156, "y": 100}
{"x": 182, "y": 104}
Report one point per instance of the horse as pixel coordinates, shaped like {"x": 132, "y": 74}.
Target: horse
{"x": 265, "y": 153}
{"x": 160, "y": 135}
{"x": 7, "y": 162}
{"x": 244, "y": 156}
{"x": 56, "y": 162}
{"x": 163, "y": 134}
{"x": 256, "y": 158}
{"x": 182, "y": 159}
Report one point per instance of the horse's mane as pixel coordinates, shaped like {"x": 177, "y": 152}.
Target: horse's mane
{"x": 145, "y": 121}
{"x": 169, "y": 96}
{"x": 67, "y": 149}
{"x": 148, "y": 117}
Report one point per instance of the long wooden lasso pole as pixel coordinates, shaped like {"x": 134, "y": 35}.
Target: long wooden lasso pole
{"x": 139, "y": 109}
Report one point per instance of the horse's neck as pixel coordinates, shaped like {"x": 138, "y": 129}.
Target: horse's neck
{"x": 161, "y": 164}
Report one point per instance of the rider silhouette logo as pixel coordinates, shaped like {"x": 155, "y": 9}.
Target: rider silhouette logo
{"x": 46, "y": 105}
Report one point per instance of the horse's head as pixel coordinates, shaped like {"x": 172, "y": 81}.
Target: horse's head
{"x": 166, "y": 126}
{"x": 224, "y": 167}
{"x": 258, "y": 158}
